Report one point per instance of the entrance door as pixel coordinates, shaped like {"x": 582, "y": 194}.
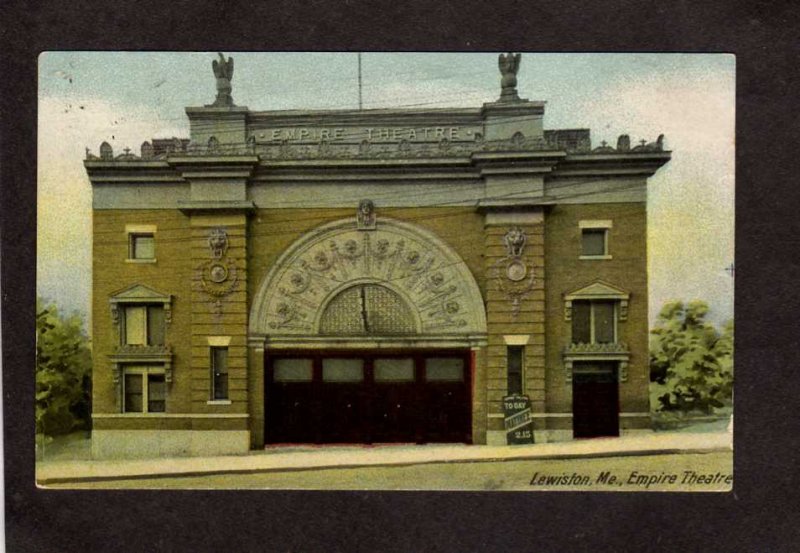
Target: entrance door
{"x": 595, "y": 400}
{"x": 367, "y": 397}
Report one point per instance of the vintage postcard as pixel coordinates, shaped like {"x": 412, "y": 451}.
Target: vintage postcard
{"x": 385, "y": 271}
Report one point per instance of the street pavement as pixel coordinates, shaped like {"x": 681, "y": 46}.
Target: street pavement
{"x": 284, "y": 459}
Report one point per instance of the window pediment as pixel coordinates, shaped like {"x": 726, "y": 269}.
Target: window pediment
{"x": 140, "y": 294}
{"x": 597, "y": 290}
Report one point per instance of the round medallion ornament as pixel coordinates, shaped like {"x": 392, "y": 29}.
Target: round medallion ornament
{"x": 516, "y": 270}
{"x": 218, "y": 273}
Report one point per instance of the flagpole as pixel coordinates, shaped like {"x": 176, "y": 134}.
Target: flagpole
{"x": 360, "y": 103}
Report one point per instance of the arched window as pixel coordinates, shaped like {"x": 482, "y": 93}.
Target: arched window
{"x": 367, "y": 310}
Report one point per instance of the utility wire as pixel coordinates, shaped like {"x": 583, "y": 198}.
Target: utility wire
{"x": 322, "y": 218}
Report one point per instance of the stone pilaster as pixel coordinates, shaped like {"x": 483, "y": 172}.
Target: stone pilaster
{"x": 514, "y": 257}
{"x": 255, "y": 382}
{"x": 219, "y": 307}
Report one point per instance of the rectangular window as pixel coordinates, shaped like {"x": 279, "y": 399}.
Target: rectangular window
{"x": 444, "y": 369}
{"x": 594, "y": 322}
{"x": 144, "y": 325}
{"x": 394, "y": 370}
{"x": 156, "y": 393}
{"x": 581, "y": 322}
{"x": 144, "y": 390}
{"x": 134, "y": 391}
{"x": 603, "y": 322}
{"x": 342, "y": 370}
{"x": 135, "y": 326}
{"x": 514, "y": 356}
{"x": 293, "y": 370}
{"x": 141, "y": 246}
{"x": 219, "y": 373}
{"x": 594, "y": 242}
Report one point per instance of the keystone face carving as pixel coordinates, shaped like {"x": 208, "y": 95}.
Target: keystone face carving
{"x": 366, "y": 215}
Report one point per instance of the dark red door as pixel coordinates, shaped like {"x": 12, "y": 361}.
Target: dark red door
{"x": 367, "y": 397}
{"x": 595, "y": 400}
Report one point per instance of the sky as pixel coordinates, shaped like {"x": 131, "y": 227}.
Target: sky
{"x": 125, "y": 98}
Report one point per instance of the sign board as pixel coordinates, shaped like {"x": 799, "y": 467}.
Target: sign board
{"x": 518, "y": 419}
{"x": 377, "y": 134}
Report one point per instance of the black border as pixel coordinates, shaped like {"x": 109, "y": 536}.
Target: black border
{"x": 758, "y": 516}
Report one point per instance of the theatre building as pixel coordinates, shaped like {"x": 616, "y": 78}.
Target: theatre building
{"x": 368, "y": 276}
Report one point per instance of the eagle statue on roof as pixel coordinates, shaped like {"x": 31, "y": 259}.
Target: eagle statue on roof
{"x": 509, "y": 65}
{"x": 223, "y": 71}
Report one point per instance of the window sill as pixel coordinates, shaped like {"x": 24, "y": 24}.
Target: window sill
{"x": 218, "y": 402}
{"x": 594, "y": 257}
{"x": 138, "y": 261}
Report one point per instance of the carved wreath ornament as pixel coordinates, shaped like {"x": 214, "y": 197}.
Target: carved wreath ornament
{"x": 218, "y": 276}
{"x": 513, "y": 275}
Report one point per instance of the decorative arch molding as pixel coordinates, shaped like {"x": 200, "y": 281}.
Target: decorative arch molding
{"x": 415, "y": 264}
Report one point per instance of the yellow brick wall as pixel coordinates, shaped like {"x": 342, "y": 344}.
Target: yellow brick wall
{"x": 627, "y": 244}
{"x": 555, "y": 245}
{"x": 171, "y": 274}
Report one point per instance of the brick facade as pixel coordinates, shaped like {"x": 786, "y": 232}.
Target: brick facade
{"x": 500, "y": 176}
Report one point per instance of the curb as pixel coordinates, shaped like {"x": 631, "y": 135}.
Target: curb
{"x": 266, "y": 470}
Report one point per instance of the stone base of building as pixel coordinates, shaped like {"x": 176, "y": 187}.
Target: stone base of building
{"x": 631, "y": 421}
{"x": 132, "y": 444}
{"x": 636, "y": 431}
{"x": 549, "y": 436}
{"x": 496, "y": 437}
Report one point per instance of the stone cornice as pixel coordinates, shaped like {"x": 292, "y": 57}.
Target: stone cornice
{"x": 217, "y": 206}
{"x": 607, "y": 164}
{"x": 128, "y": 354}
{"x": 597, "y": 352}
{"x": 211, "y": 163}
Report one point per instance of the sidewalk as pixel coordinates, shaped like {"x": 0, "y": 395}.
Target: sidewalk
{"x": 281, "y": 459}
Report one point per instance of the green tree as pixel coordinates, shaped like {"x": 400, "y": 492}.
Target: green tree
{"x": 63, "y": 372}
{"x": 691, "y": 362}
